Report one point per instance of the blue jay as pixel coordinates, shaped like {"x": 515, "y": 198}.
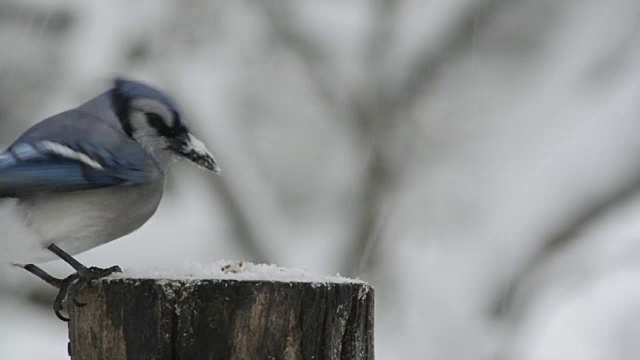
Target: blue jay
{"x": 88, "y": 176}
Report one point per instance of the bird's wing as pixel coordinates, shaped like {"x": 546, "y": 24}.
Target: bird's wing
{"x": 72, "y": 160}
{"x": 52, "y": 166}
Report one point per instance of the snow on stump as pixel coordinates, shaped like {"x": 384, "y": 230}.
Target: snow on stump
{"x": 223, "y": 311}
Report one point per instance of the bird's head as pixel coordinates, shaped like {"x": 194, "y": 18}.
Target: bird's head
{"x": 153, "y": 119}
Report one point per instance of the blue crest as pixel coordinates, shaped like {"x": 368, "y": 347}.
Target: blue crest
{"x": 135, "y": 89}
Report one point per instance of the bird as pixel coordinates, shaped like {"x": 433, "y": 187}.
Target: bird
{"x": 88, "y": 176}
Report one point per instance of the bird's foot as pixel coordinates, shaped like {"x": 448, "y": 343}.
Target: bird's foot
{"x": 74, "y": 283}
{"x": 95, "y": 273}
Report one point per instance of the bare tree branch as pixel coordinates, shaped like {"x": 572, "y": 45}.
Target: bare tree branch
{"x": 513, "y": 300}
{"x": 281, "y": 17}
{"x": 433, "y": 58}
{"x": 567, "y": 235}
{"x": 331, "y": 87}
{"x": 375, "y": 110}
{"x": 245, "y": 232}
{"x": 366, "y": 110}
{"x": 561, "y": 240}
{"x": 362, "y": 253}
{"x": 389, "y": 108}
{"x": 377, "y": 128}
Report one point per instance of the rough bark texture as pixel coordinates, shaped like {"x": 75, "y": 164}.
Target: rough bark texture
{"x": 222, "y": 319}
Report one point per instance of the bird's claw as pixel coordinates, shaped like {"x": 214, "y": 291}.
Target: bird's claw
{"x": 65, "y": 286}
{"x": 94, "y": 273}
{"x": 74, "y": 283}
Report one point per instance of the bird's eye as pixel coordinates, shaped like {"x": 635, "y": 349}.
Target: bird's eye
{"x": 156, "y": 121}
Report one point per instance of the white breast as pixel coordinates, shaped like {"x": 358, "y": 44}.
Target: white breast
{"x": 76, "y": 222}
{"x": 18, "y": 242}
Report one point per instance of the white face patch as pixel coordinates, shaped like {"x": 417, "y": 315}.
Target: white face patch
{"x": 147, "y": 135}
{"x": 145, "y": 105}
{"x": 68, "y": 153}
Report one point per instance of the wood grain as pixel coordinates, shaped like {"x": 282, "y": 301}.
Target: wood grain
{"x": 222, "y": 319}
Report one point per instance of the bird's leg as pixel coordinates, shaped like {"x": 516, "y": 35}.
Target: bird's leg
{"x": 72, "y": 283}
{"x": 86, "y": 273}
{"x": 43, "y": 275}
{"x": 63, "y": 284}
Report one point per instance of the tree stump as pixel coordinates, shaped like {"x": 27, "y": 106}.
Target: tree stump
{"x": 246, "y": 318}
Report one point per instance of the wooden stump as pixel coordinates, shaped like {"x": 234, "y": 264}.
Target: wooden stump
{"x": 222, "y": 319}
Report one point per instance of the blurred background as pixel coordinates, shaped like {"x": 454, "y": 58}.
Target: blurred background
{"x": 478, "y": 161}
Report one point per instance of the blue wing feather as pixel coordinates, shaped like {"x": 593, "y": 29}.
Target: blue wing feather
{"x": 27, "y": 168}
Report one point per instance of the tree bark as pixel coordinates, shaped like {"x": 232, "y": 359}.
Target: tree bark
{"x": 128, "y": 319}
